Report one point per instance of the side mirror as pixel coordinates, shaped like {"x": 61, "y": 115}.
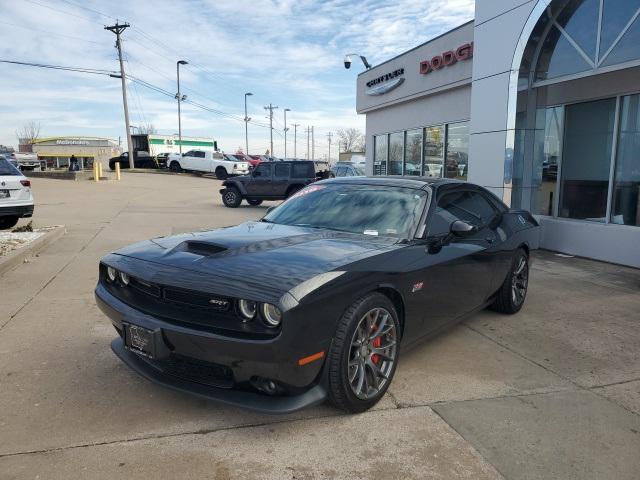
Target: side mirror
{"x": 462, "y": 229}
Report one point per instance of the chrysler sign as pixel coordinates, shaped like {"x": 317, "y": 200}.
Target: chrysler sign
{"x": 448, "y": 58}
{"x": 385, "y": 83}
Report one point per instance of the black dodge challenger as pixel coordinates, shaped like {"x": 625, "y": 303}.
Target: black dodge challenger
{"x": 317, "y": 299}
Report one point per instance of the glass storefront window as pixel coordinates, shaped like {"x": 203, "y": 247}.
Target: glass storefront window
{"x": 396, "y": 151}
{"x": 586, "y": 160}
{"x": 433, "y": 151}
{"x": 413, "y": 155}
{"x": 457, "y": 161}
{"x": 546, "y": 154}
{"x": 626, "y": 188}
{"x": 380, "y": 155}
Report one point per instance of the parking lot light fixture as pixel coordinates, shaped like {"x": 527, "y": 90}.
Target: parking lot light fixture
{"x": 246, "y": 124}
{"x": 180, "y": 98}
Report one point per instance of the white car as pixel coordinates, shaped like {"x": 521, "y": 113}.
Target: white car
{"x": 209, "y": 162}
{"x": 16, "y": 199}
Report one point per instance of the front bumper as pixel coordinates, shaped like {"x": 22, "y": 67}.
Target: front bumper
{"x": 274, "y": 359}
{"x": 22, "y": 211}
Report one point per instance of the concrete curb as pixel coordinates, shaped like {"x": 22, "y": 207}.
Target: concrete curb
{"x": 16, "y": 257}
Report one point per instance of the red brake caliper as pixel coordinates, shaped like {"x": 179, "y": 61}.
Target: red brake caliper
{"x": 375, "y": 358}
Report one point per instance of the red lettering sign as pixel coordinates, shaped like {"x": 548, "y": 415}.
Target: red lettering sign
{"x": 463, "y": 52}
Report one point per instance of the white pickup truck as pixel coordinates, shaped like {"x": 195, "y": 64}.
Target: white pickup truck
{"x": 209, "y": 162}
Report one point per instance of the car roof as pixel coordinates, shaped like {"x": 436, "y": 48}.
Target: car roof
{"x": 412, "y": 182}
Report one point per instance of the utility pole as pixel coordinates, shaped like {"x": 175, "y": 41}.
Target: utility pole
{"x": 285, "y": 131}
{"x": 271, "y": 108}
{"x": 118, "y": 29}
{"x": 329, "y": 135}
{"x": 295, "y": 140}
{"x": 308, "y": 132}
{"x": 313, "y": 145}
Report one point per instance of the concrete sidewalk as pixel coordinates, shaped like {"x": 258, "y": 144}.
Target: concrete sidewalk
{"x": 553, "y": 392}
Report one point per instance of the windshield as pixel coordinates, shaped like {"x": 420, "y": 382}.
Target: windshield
{"x": 6, "y": 168}
{"x": 365, "y": 209}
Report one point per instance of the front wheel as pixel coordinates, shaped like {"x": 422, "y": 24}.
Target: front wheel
{"x": 175, "y": 167}
{"x": 363, "y": 356}
{"x": 231, "y": 197}
{"x": 254, "y": 203}
{"x": 8, "y": 222}
{"x": 513, "y": 291}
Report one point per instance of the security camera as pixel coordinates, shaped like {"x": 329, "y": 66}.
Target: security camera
{"x": 347, "y": 62}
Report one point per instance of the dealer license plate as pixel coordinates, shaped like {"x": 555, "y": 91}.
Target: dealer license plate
{"x": 140, "y": 340}
{"x": 4, "y": 193}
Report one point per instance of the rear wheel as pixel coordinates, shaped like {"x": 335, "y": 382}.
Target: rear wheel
{"x": 221, "y": 173}
{"x": 175, "y": 166}
{"x": 231, "y": 197}
{"x": 364, "y": 353}
{"x": 8, "y": 222}
{"x": 254, "y": 203}
{"x": 513, "y": 291}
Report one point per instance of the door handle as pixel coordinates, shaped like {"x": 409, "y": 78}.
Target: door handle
{"x": 489, "y": 239}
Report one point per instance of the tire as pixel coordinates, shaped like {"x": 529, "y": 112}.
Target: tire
{"x": 112, "y": 166}
{"x": 231, "y": 197}
{"x": 293, "y": 190}
{"x": 8, "y": 222}
{"x": 174, "y": 166}
{"x": 513, "y": 291}
{"x": 254, "y": 203}
{"x": 353, "y": 384}
{"x": 221, "y": 173}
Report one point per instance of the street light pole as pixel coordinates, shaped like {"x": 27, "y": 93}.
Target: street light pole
{"x": 285, "y": 131}
{"x": 246, "y": 124}
{"x": 180, "y": 98}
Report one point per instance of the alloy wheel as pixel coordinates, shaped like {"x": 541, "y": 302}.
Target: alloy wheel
{"x": 372, "y": 354}
{"x": 519, "y": 281}
{"x": 229, "y": 197}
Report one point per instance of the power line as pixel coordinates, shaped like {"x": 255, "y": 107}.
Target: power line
{"x": 32, "y": 29}
{"x": 93, "y": 71}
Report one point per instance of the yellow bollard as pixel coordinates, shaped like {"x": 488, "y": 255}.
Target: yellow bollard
{"x": 118, "y": 171}
{"x": 99, "y": 170}
{"x": 95, "y": 172}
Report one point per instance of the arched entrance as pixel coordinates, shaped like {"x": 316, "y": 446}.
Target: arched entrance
{"x": 574, "y": 108}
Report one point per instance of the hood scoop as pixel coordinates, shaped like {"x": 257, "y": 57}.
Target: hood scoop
{"x": 204, "y": 249}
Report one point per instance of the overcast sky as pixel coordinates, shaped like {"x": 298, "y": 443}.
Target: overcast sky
{"x": 286, "y": 52}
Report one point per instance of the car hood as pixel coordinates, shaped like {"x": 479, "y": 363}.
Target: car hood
{"x": 259, "y": 254}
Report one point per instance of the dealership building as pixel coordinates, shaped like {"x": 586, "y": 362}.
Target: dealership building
{"x": 537, "y": 100}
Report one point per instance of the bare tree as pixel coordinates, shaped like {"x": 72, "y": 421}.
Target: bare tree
{"x": 350, "y": 140}
{"x": 29, "y": 132}
{"x": 147, "y": 129}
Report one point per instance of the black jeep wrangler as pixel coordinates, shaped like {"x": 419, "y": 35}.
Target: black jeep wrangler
{"x": 270, "y": 181}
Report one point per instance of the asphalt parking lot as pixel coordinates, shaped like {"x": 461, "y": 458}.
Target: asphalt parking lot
{"x": 553, "y": 392}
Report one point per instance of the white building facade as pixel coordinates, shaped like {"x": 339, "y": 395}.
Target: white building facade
{"x": 538, "y": 101}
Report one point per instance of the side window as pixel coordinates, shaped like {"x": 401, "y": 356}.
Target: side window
{"x": 263, "y": 170}
{"x": 465, "y": 205}
{"x": 282, "y": 170}
{"x": 200, "y": 154}
{"x": 188, "y": 154}
{"x": 302, "y": 170}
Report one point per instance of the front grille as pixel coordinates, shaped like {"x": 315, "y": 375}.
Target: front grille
{"x": 198, "y": 371}
{"x": 188, "y": 308}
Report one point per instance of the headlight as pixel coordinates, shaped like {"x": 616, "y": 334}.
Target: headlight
{"x": 112, "y": 273}
{"x": 124, "y": 278}
{"x": 248, "y": 308}
{"x": 271, "y": 314}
